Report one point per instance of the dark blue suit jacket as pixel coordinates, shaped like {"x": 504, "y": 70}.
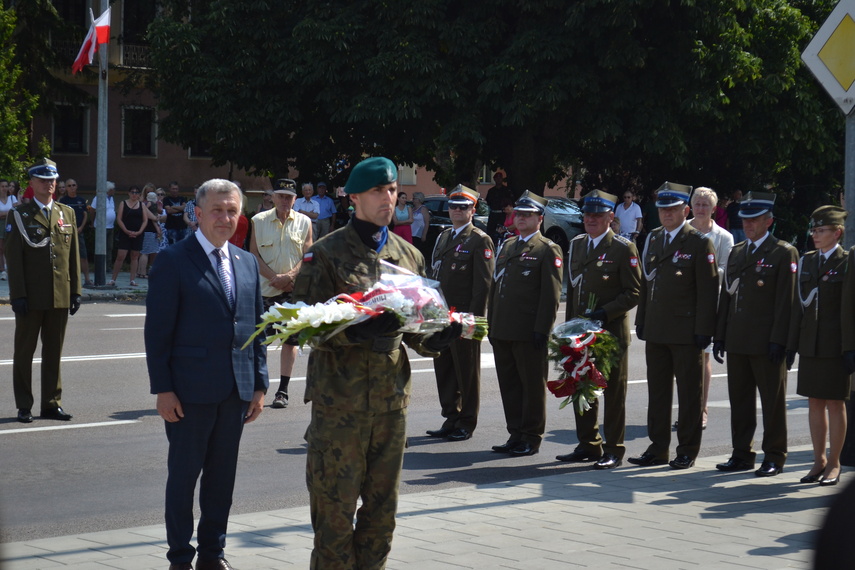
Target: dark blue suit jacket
{"x": 193, "y": 338}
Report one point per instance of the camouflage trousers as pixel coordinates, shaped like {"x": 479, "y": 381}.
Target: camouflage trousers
{"x": 353, "y": 455}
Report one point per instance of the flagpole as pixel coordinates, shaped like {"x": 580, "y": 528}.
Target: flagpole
{"x": 101, "y": 260}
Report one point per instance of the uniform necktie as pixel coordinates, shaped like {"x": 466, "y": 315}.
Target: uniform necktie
{"x": 667, "y": 240}
{"x": 753, "y": 248}
{"x": 46, "y": 212}
{"x": 224, "y": 277}
{"x": 590, "y": 246}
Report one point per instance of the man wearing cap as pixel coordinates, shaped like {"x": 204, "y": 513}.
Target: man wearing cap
{"x": 326, "y": 211}
{"x": 359, "y": 380}
{"x": 604, "y": 286}
{"x": 280, "y": 237}
{"x": 753, "y": 327}
{"x": 523, "y": 302}
{"x": 43, "y": 262}
{"x": 463, "y": 264}
{"x": 676, "y": 317}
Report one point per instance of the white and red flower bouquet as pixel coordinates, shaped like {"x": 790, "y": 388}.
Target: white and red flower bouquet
{"x": 415, "y": 300}
{"x": 584, "y": 353}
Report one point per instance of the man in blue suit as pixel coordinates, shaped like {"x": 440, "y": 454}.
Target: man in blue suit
{"x": 204, "y": 302}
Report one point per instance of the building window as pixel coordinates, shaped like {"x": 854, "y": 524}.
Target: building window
{"x": 71, "y": 129}
{"x": 139, "y": 131}
{"x": 407, "y": 175}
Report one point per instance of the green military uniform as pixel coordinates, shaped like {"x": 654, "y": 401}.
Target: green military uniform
{"x": 754, "y": 311}
{"x": 816, "y": 326}
{"x": 677, "y": 304}
{"x": 43, "y": 263}
{"x": 524, "y": 300}
{"x": 610, "y": 274}
{"x": 359, "y": 398}
{"x": 463, "y": 264}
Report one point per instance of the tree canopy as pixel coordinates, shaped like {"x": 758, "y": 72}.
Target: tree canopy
{"x": 16, "y": 103}
{"x": 708, "y": 92}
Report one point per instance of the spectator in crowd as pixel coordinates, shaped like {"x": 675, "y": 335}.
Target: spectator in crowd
{"x": 421, "y": 223}
{"x": 60, "y": 190}
{"x": 754, "y": 312}
{"x": 630, "y": 216}
{"x": 816, "y": 333}
{"x": 204, "y": 303}
{"x": 308, "y": 207}
{"x": 81, "y": 211}
{"x": 676, "y": 317}
{"x": 280, "y": 238}
{"x": 734, "y": 222}
{"x": 44, "y": 287}
{"x": 14, "y": 189}
{"x": 497, "y": 195}
{"x": 720, "y": 214}
{"x": 360, "y": 382}
{"x": 703, "y": 201}
{"x": 7, "y": 202}
{"x": 153, "y": 232}
{"x": 110, "y": 212}
{"x": 651, "y": 215}
{"x": 176, "y": 228}
{"x": 403, "y": 219}
{"x": 345, "y": 208}
{"x": 326, "y": 211}
{"x": 266, "y": 202}
{"x": 523, "y": 301}
{"x": 132, "y": 219}
{"x": 603, "y": 266}
{"x": 189, "y": 216}
{"x": 463, "y": 265}
{"x": 239, "y": 237}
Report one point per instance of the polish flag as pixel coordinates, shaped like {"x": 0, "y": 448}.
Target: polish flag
{"x": 99, "y": 33}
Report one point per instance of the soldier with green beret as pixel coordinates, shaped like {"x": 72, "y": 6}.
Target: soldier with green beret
{"x": 754, "y": 313}
{"x": 816, "y": 333}
{"x": 44, "y": 286}
{"x": 359, "y": 381}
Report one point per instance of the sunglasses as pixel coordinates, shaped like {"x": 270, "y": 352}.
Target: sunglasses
{"x": 135, "y": 191}
{"x": 458, "y": 206}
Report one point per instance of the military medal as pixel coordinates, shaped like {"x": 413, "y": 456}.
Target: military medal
{"x": 825, "y": 277}
{"x": 605, "y": 277}
{"x": 760, "y": 283}
{"x": 599, "y": 264}
{"x": 679, "y": 273}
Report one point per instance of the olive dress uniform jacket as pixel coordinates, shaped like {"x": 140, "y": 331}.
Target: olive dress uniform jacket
{"x": 756, "y": 299}
{"x": 678, "y": 288}
{"x": 611, "y": 275}
{"x": 463, "y": 265}
{"x": 816, "y": 326}
{"x": 42, "y": 256}
{"x": 527, "y": 288}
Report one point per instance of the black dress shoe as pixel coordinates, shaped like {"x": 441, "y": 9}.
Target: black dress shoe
{"x": 811, "y": 478}
{"x": 828, "y": 482}
{"x": 523, "y": 448}
{"x": 608, "y": 461}
{"x": 25, "y": 416}
{"x": 181, "y": 566}
{"x": 56, "y": 414}
{"x": 505, "y": 447}
{"x": 647, "y": 460}
{"x": 682, "y": 462}
{"x": 734, "y": 464}
{"x": 769, "y": 469}
{"x": 579, "y": 456}
{"x": 213, "y": 564}
{"x": 459, "y": 434}
{"x": 441, "y": 432}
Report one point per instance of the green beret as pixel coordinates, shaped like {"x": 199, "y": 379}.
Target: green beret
{"x": 371, "y": 172}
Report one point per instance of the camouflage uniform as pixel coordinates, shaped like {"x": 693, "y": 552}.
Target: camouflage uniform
{"x": 359, "y": 398}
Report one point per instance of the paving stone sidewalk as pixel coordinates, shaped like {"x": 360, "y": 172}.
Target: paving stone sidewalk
{"x": 645, "y": 518}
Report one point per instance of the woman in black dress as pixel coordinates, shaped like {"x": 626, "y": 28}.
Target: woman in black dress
{"x": 816, "y": 335}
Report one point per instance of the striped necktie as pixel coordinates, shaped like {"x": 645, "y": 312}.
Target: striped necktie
{"x": 224, "y": 277}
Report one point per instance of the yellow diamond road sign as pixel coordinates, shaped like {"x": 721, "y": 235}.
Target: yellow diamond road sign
{"x": 831, "y": 55}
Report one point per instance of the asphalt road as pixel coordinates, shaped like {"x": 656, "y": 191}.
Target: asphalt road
{"x": 106, "y": 469}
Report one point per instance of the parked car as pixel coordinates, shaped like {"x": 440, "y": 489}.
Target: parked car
{"x": 562, "y": 221}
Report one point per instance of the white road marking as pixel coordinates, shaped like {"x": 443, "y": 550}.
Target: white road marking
{"x": 67, "y": 426}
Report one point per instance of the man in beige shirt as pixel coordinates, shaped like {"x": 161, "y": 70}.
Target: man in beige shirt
{"x": 280, "y": 237}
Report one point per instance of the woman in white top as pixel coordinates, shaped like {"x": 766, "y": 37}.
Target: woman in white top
{"x": 704, "y": 201}
{"x": 7, "y": 201}
{"x": 630, "y": 216}
{"x": 421, "y": 221}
